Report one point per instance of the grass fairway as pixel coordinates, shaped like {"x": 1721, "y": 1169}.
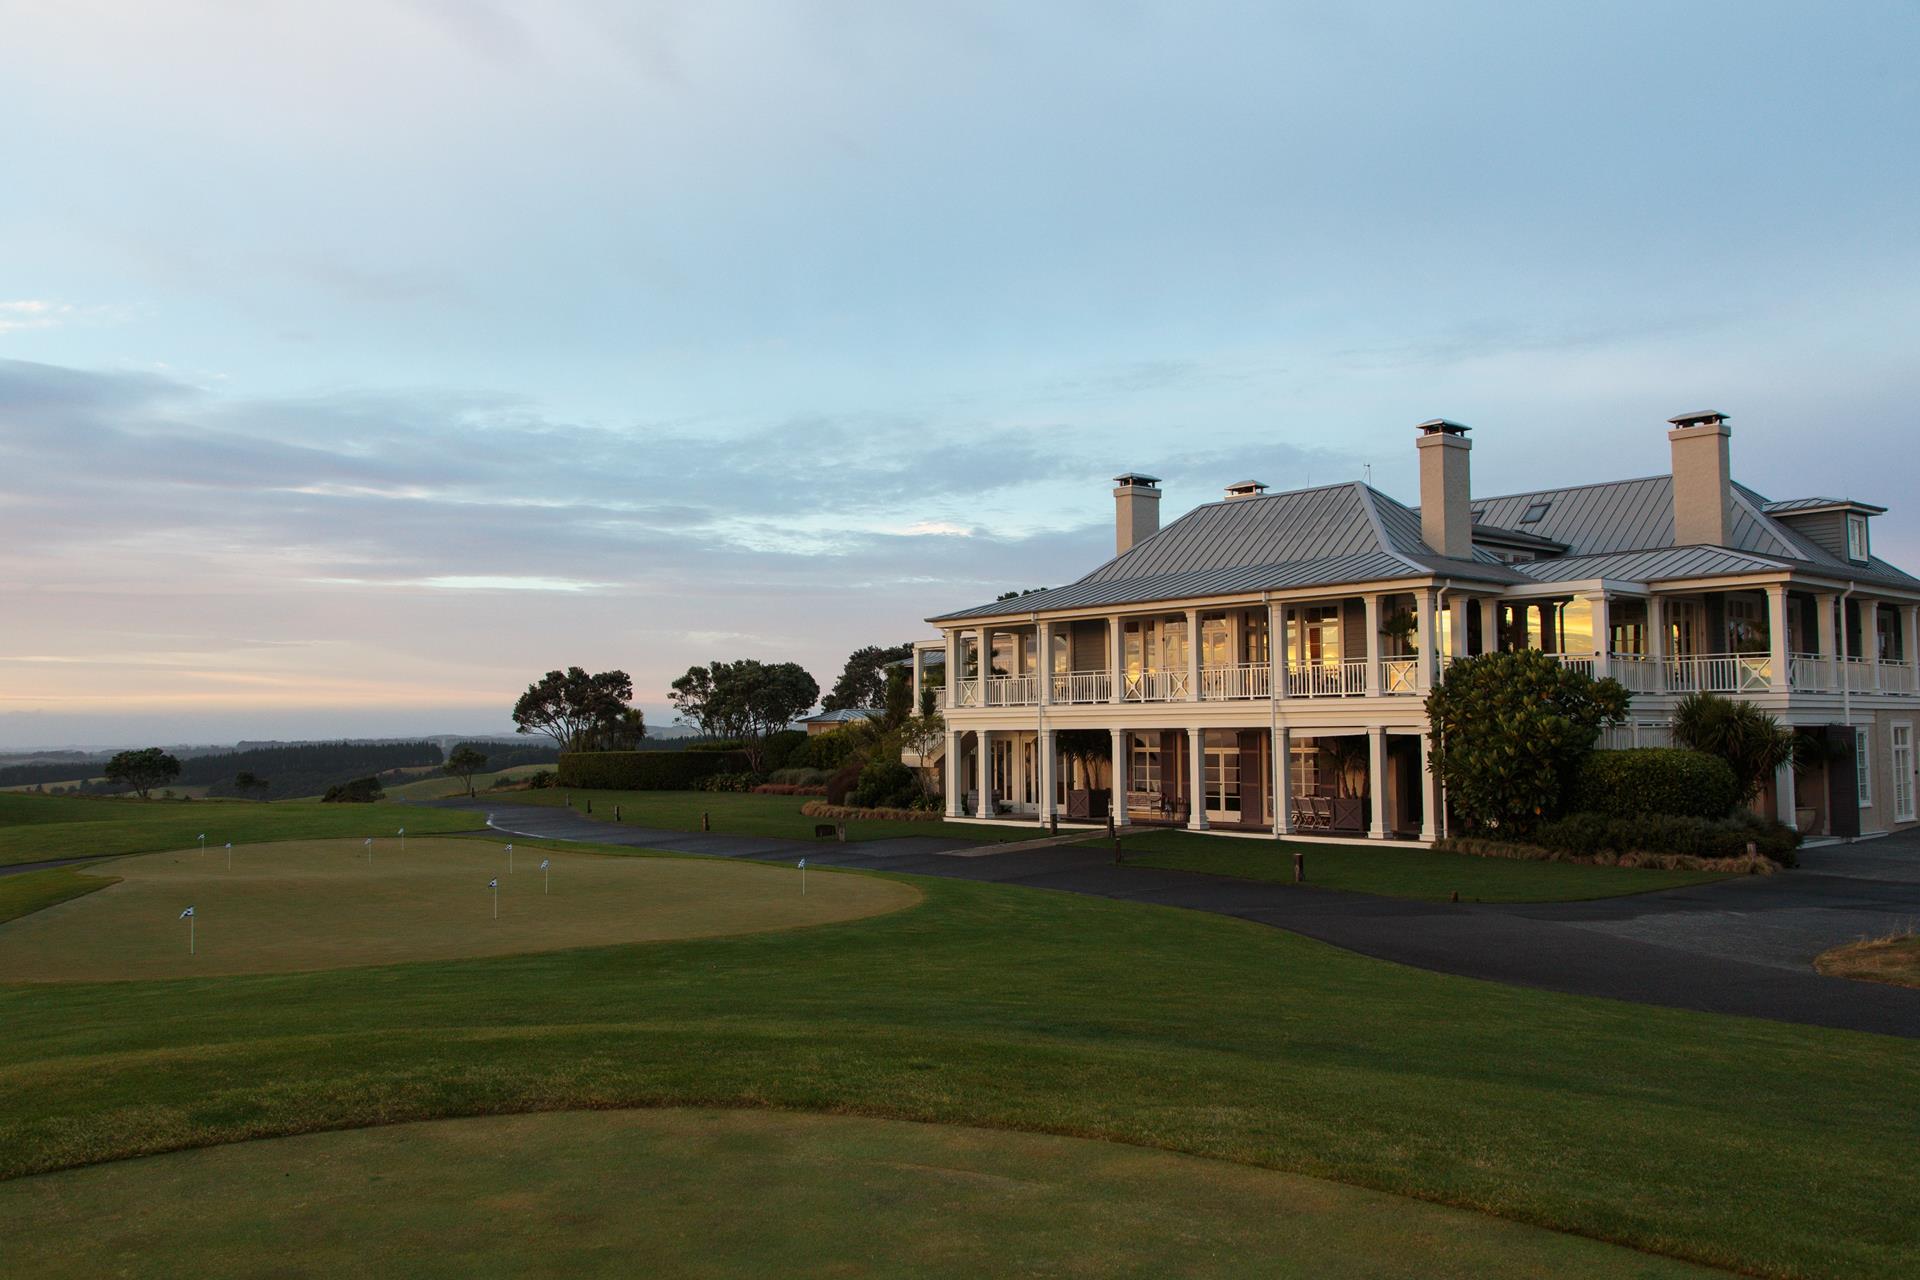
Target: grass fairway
{"x": 723, "y": 1194}
{"x": 42, "y": 828}
{"x": 24, "y": 894}
{"x": 324, "y": 904}
{"x": 1398, "y": 872}
{"x": 437, "y": 785}
{"x": 748, "y": 814}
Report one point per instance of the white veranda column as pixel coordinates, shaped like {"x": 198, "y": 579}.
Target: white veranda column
{"x": 1116, "y": 651}
{"x": 1602, "y": 609}
{"x": 1043, "y": 662}
{"x": 983, "y": 806}
{"x": 1429, "y": 792}
{"x": 1825, "y": 635}
{"x": 1427, "y": 659}
{"x": 1784, "y": 799}
{"x": 1044, "y": 768}
{"x": 951, "y": 677}
{"x": 1283, "y": 782}
{"x": 1777, "y": 637}
{"x": 1490, "y": 625}
{"x": 1373, "y": 643}
{"x": 1197, "y": 779}
{"x": 1193, "y": 654}
{"x": 1870, "y": 637}
{"x": 1118, "y": 779}
{"x": 1377, "y": 781}
{"x": 1276, "y": 651}
{"x": 955, "y": 806}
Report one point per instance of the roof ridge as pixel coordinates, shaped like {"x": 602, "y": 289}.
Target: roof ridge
{"x": 1569, "y": 488}
{"x": 1367, "y": 493}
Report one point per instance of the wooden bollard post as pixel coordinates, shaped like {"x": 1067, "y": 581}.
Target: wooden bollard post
{"x": 1455, "y": 897}
{"x": 1053, "y": 824}
{"x": 706, "y": 821}
{"x": 840, "y": 832}
{"x": 1110, "y": 833}
{"x": 616, "y": 813}
{"x": 1116, "y": 851}
{"x": 589, "y": 804}
{"x": 1299, "y": 866}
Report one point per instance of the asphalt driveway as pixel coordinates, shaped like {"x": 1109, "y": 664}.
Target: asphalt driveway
{"x": 1740, "y": 947}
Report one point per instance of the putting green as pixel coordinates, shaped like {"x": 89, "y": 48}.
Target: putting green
{"x": 722, "y": 1194}
{"x": 322, "y": 904}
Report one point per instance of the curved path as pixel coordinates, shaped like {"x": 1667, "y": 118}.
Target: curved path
{"x": 1739, "y": 947}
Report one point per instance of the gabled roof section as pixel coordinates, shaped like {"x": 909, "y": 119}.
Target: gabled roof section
{"x": 1801, "y": 506}
{"x": 1307, "y": 537}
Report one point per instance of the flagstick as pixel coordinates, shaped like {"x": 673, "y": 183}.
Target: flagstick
{"x": 496, "y": 902}
{"x": 191, "y": 921}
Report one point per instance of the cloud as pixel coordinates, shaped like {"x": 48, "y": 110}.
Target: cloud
{"x": 36, "y": 313}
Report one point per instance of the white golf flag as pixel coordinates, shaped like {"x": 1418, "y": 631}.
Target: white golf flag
{"x": 186, "y": 913}
{"x": 403, "y": 831}
{"x": 203, "y": 835}
{"x": 229, "y": 844}
{"x": 509, "y": 848}
{"x": 494, "y": 883}
{"x": 803, "y": 864}
{"x": 545, "y": 863}
{"x": 369, "y": 842}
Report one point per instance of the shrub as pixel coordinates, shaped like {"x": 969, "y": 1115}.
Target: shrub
{"x": 717, "y": 744}
{"x": 788, "y": 789}
{"x": 645, "y": 770}
{"x": 815, "y": 809}
{"x": 359, "y": 791}
{"x": 886, "y": 784}
{"x": 541, "y": 779}
{"x": 784, "y": 750}
{"x": 1655, "y": 780}
{"x": 800, "y": 777}
{"x": 834, "y": 750}
{"x": 1750, "y": 740}
{"x": 1587, "y": 834}
{"x": 1510, "y": 729}
{"x": 1473, "y": 847}
{"x": 738, "y": 782}
{"x": 844, "y": 780}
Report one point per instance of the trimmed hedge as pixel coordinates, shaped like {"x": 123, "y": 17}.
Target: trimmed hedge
{"x": 815, "y": 809}
{"x": 1586, "y": 834}
{"x": 1639, "y": 781}
{"x": 646, "y": 770}
{"x": 886, "y": 784}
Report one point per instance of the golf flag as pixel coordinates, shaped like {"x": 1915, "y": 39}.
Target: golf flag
{"x": 186, "y": 913}
{"x": 803, "y": 875}
{"x": 546, "y": 876}
{"x": 494, "y": 883}
{"x": 545, "y": 863}
{"x": 803, "y": 864}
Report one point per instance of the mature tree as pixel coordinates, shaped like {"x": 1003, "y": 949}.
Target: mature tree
{"x": 1749, "y": 739}
{"x": 625, "y": 732}
{"x": 1510, "y": 729}
{"x": 747, "y": 700}
{"x": 143, "y": 770}
{"x": 463, "y": 763}
{"x": 1015, "y": 595}
{"x": 864, "y": 682}
{"x": 571, "y": 706}
{"x": 247, "y": 782}
{"x": 920, "y": 736}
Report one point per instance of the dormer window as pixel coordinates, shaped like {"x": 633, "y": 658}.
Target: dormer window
{"x": 1857, "y": 539}
{"x": 1535, "y": 512}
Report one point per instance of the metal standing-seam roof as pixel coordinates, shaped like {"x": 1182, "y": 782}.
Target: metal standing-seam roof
{"x": 1307, "y": 537}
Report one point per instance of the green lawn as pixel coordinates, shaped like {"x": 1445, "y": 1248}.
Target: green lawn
{"x": 42, "y": 828}
{"x": 28, "y": 892}
{"x": 322, "y": 904}
{"x": 731, "y": 1193}
{"x": 747, "y": 814}
{"x": 438, "y": 785}
{"x": 1782, "y": 1150}
{"x": 1397, "y": 872}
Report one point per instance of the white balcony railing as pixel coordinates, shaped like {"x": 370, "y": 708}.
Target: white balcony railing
{"x": 1720, "y": 673}
{"x": 1241, "y": 680}
{"x": 1399, "y": 675}
{"x": 1156, "y": 686}
{"x": 1809, "y": 672}
{"x": 1896, "y": 677}
{"x": 968, "y": 692}
{"x": 1327, "y": 679}
{"x": 1858, "y": 673}
{"x": 1082, "y": 686}
{"x": 1582, "y": 662}
{"x": 1634, "y": 670}
{"x": 1013, "y": 691}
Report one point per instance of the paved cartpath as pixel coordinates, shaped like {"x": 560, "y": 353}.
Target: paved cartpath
{"x": 1739, "y": 947}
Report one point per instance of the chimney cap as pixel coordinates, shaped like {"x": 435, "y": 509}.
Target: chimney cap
{"x": 1136, "y": 480}
{"x": 1699, "y": 418}
{"x": 1443, "y": 427}
{"x": 1245, "y": 488}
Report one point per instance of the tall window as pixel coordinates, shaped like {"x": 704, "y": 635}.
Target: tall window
{"x": 1863, "y": 765}
{"x": 1315, "y": 640}
{"x": 1746, "y": 625}
{"x": 1216, "y": 641}
{"x": 1145, "y": 773}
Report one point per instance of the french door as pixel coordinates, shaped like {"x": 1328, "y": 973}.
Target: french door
{"x": 1223, "y": 784}
{"x": 1902, "y": 762}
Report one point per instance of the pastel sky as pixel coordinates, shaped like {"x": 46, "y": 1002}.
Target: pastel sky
{"x": 360, "y": 361}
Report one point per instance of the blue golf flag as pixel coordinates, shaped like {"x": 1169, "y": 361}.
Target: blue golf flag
{"x": 186, "y": 913}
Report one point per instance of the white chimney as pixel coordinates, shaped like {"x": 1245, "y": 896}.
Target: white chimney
{"x": 1702, "y": 480}
{"x": 1136, "y": 510}
{"x": 1446, "y": 497}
